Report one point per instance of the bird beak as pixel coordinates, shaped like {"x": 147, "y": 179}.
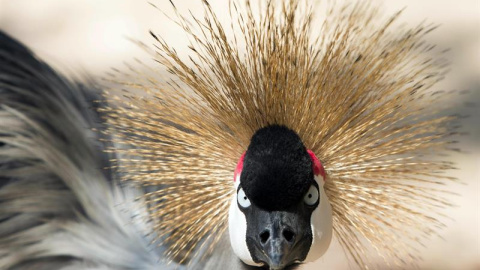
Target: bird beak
{"x": 276, "y": 251}
{"x": 278, "y": 238}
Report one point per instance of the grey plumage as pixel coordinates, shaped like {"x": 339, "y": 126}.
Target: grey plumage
{"x": 59, "y": 207}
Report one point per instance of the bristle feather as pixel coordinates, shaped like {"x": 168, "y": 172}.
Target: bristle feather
{"x": 357, "y": 94}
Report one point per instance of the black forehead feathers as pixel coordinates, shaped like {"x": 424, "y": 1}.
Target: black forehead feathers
{"x": 277, "y": 169}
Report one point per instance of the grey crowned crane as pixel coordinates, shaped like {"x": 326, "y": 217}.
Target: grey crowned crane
{"x": 280, "y": 214}
{"x": 325, "y": 132}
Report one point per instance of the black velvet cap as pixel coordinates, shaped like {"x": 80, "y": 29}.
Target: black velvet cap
{"x": 277, "y": 170}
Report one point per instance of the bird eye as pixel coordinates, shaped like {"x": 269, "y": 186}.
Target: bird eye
{"x": 242, "y": 199}
{"x": 312, "y": 195}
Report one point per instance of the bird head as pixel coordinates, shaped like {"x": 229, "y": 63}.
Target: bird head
{"x": 280, "y": 214}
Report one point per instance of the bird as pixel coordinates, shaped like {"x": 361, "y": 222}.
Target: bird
{"x": 275, "y": 134}
{"x": 280, "y": 214}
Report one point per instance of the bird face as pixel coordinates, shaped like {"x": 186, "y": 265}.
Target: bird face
{"x": 280, "y": 214}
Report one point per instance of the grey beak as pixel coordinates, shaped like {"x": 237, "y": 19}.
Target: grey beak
{"x": 278, "y": 238}
{"x": 276, "y": 248}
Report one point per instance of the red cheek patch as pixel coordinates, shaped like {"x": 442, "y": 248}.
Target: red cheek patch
{"x": 239, "y": 167}
{"x": 317, "y": 165}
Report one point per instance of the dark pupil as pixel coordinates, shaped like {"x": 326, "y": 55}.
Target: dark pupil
{"x": 309, "y": 196}
{"x": 245, "y": 198}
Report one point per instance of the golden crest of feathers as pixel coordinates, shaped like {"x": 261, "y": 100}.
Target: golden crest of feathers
{"x": 355, "y": 87}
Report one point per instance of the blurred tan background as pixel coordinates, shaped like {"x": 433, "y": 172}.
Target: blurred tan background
{"x": 90, "y": 36}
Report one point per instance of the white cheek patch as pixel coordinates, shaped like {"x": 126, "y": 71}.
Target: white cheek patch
{"x": 237, "y": 228}
{"x": 237, "y": 182}
{"x": 321, "y": 225}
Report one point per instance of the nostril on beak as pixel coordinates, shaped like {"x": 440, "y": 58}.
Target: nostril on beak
{"x": 264, "y": 236}
{"x": 288, "y": 235}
